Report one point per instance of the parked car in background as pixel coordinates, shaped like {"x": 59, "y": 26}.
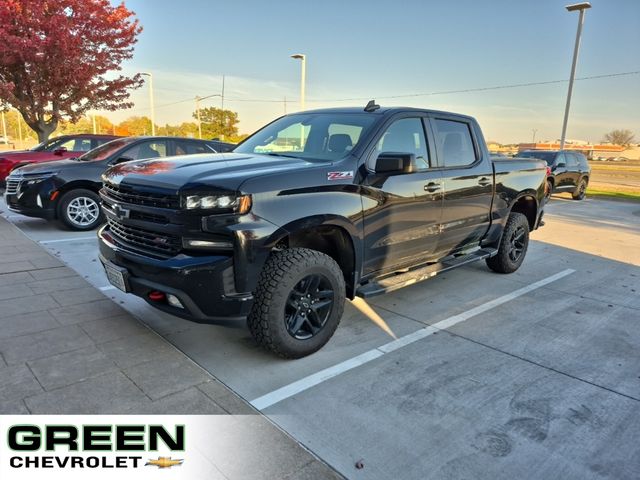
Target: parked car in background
{"x": 68, "y": 189}
{"x": 568, "y": 171}
{"x": 59, "y": 148}
{"x": 222, "y": 147}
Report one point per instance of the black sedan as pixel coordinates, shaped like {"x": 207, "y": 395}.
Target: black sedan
{"x": 67, "y": 190}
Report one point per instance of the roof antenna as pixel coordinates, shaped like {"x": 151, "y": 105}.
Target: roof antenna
{"x": 371, "y": 106}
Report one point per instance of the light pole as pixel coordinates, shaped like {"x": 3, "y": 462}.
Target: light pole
{"x": 153, "y": 113}
{"x": 303, "y": 73}
{"x": 581, "y": 7}
{"x": 534, "y": 130}
{"x": 4, "y": 129}
{"x": 198, "y": 99}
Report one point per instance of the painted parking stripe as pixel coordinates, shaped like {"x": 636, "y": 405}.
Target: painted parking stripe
{"x": 108, "y": 287}
{"x": 72, "y": 239}
{"x": 312, "y": 380}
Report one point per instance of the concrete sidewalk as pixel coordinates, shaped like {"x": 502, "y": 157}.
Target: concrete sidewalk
{"x": 65, "y": 348}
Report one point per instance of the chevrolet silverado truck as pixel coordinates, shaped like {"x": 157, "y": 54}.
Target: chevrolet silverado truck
{"x": 315, "y": 208}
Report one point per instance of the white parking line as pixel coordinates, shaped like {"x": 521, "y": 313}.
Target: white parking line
{"x": 108, "y": 287}
{"x": 312, "y": 380}
{"x": 72, "y": 239}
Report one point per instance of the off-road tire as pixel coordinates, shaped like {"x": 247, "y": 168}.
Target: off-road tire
{"x": 69, "y": 197}
{"x": 503, "y": 262}
{"x": 581, "y": 190}
{"x": 281, "y": 273}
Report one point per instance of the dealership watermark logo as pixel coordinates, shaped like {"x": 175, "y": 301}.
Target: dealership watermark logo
{"x": 93, "y": 446}
{"x": 164, "y": 462}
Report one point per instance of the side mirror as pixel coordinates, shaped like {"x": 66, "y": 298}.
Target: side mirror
{"x": 60, "y": 150}
{"x": 395, "y": 163}
{"x": 561, "y": 165}
{"x": 121, "y": 160}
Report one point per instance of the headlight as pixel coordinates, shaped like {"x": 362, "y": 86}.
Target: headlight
{"x": 28, "y": 181}
{"x": 223, "y": 203}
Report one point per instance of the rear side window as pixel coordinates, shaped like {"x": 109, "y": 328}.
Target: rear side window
{"x": 572, "y": 159}
{"x": 454, "y": 143}
{"x": 190, "y": 148}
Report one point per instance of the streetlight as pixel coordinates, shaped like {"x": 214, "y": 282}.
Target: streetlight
{"x": 303, "y": 73}
{"x": 198, "y": 99}
{"x": 581, "y": 7}
{"x": 153, "y": 113}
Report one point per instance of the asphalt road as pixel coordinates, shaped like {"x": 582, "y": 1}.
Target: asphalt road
{"x": 531, "y": 375}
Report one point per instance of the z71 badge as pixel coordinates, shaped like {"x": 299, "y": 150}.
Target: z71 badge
{"x": 340, "y": 175}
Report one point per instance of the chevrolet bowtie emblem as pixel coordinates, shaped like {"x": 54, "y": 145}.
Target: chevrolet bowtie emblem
{"x": 164, "y": 462}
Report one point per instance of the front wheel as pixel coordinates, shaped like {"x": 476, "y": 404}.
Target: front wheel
{"x": 581, "y": 190}
{"x": 79, "y": 209}
{"x": 513, "y": 245}
{"x": 298, "y": 302}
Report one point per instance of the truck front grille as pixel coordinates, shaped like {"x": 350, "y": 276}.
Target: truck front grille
{"x": 159, "y": 244}
{"x": 123, "y": 194}
{"x": 12, "y": 186}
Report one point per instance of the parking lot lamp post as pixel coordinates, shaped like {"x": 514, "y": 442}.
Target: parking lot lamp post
{"x": 151, "y": 104}
{"x": 581, "y": 7}
{"x": 4, "y": 129}
{"x": 303, "y": 78}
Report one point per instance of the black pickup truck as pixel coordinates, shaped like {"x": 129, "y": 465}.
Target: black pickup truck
{"x": 314, "y": 208}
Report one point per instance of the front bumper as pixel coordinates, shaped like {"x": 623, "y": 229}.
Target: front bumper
{"x": 32, "y": 200}
{"x": 205, "y": 285}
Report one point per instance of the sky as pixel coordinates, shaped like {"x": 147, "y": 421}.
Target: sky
{"x": 361, "y": 49}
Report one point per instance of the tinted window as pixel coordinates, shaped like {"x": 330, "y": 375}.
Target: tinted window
{"x": 406, "y": 136}
{"x": 548, "y": 157}
{"x": 76, "y": 145}
{"x": 454, "y": 142}
{"x": 105, "y": 151}
{"x": 561, "y": 158}
{"x": 572, "y": 159}
{"x": 313, "y": 136}
{"x": 144, "y": 150}
{"x": 185, "y": 147}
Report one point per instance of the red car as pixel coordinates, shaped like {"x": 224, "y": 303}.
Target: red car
{"x": 59, "y": 148}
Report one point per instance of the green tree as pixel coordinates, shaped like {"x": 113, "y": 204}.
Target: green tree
{"x": 619, "y": 137}
{"x": 185, "y": 129}
{"x": 85, "y": 125}
{"x": 217, "y": 123}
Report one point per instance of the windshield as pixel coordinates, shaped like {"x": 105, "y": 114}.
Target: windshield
{"x": 104, "y": 151}
{"x": 548, "y": 157}
{"x": 311, "y": 136}
{"x": 49, "y": 145}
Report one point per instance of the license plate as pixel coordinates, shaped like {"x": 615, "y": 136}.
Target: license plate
{"x": 116, "y": 276}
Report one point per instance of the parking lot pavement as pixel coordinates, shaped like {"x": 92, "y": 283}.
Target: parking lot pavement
{"x": 495, "y": 376}
{"x": 65, "y": 348}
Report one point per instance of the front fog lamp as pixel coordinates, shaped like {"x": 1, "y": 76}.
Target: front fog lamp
{"x": 234, "y": 203}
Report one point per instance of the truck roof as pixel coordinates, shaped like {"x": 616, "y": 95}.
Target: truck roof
{"x": 381, "y": 111}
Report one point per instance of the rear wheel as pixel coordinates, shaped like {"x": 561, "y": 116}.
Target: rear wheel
{"x": 298, "y": 302}
{"x": 581, "y": 190}
{"x": 513, "y": 245}
{"x": 79, "y": 209}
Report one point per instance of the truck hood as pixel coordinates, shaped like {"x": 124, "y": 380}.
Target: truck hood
{"x": 222, "y": 170}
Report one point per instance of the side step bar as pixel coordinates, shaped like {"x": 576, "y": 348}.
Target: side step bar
{"x": 394, "y": 282}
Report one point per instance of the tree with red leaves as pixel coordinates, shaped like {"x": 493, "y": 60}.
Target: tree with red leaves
{"x": 55, "y": 55}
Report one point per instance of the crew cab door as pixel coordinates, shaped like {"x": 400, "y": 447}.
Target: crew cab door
{"x": 467, "y": 181}
{"x": 401, "y": 208}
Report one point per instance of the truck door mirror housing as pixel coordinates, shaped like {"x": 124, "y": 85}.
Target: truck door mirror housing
{"x": 395, "y": 163}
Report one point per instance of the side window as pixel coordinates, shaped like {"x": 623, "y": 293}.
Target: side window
{"x": 560, "y": 159}
{"x": 151, "y": 149}
{"x": 197, "y": 147}
{"x": 572, "y": 160}
{"x": 405, "y": 136}
{"x": 454, "y": 143}
{"x": 76, "y": 145}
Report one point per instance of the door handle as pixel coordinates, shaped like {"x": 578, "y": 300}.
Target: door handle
{"x": 432, "y": 187}
{"x": 484, "y": 181}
